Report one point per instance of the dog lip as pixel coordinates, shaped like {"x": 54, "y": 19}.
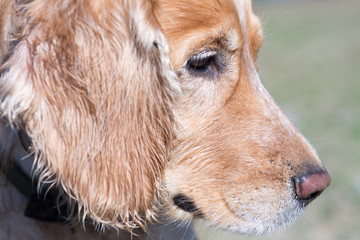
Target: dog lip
{"x": 185, "y": 203}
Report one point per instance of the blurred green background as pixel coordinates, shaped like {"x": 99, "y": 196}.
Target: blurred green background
{"x": 310, "y": 63}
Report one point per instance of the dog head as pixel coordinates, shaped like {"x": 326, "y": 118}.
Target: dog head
{"x": 238, "y": 159}
{"x": 116, "y": 124}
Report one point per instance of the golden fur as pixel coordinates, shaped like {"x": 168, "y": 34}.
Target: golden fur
{"x": 121, "y": 120}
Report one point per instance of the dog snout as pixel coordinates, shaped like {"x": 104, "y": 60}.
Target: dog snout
{"x": 311, "y": 185}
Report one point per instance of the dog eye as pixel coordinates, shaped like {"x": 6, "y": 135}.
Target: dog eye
{"x": 203, "y": 63}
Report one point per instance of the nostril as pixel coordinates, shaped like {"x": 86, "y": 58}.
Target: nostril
{"x": 308, "y": 187}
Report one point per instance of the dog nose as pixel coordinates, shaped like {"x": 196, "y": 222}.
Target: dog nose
{"x": 310, "y": 186}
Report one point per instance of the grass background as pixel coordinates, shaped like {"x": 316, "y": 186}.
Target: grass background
{"x": 310, "y": 63}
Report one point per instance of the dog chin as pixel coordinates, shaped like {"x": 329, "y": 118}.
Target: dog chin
{"x": 259, "y": 220}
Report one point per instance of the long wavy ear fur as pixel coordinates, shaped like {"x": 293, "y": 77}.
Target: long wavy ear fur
{"x": 91, "y": 84}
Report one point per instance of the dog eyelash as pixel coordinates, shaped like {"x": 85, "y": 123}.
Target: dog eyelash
{"x": 203, "y": 63}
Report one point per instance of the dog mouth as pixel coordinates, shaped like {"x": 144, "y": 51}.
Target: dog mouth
{"x": 254, "y": 207}
{"x": 249, "y": 218}
{"x": 186, "y": 204}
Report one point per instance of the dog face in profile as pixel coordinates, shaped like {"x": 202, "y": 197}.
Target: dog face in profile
{"x": 237, "y": 155}
{"x": 132, "y": 103}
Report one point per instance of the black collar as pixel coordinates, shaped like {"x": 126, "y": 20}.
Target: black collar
{"x": 45, "y": 203}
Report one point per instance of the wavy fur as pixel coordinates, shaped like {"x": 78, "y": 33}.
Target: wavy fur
{"x": 93, "y": 84}
{"x": 67, "y": 72}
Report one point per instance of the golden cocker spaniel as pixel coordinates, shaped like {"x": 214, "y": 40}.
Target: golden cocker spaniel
{"x": 136, "y": 106}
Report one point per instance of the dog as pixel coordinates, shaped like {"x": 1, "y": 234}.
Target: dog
{"x": 138, "y": 107}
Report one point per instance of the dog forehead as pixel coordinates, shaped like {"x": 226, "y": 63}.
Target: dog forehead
{"x": 191, "y": 24}
{"x": 192, "y": 14}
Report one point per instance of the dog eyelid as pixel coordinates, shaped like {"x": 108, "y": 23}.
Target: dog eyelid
{"x": 201, "y": 62}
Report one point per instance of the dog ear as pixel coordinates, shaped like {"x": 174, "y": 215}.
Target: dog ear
{"x": 90, "y": 81}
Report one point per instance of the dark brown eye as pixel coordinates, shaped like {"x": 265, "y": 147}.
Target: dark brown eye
{"x": 199, "y": 62}
{"x": 202, "y": 62}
